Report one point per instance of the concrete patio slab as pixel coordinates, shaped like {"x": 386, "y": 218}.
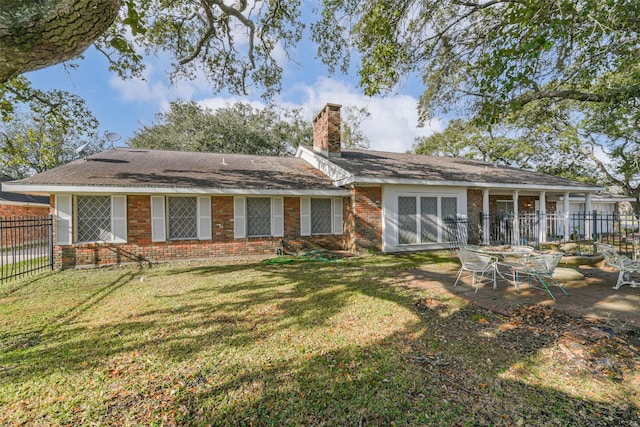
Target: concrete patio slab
{"x": 593, "y": 297}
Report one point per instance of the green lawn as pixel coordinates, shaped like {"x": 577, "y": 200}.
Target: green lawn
{"x": 24, "y": 267}
{"x": 301, "y": 343}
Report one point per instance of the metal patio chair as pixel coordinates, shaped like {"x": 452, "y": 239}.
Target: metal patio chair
{"x": 478, "y": 265}
{"x": 625, "y": 265}
{"x": 540, "y": 270}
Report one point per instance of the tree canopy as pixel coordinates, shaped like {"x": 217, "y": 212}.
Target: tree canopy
{"x": 242, "y": 129}
{"x": 575, "y": 62}
{"x": 492, "y": 57}
{"x": 238, "y": 128}
{"x": 34, "y": 143}
{"x": 501, "y": 54}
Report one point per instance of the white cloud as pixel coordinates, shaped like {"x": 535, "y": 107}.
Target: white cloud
{"x": 392, "y": 126}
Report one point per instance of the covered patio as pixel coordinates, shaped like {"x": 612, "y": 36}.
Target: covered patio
{"x": 523, "y": 214}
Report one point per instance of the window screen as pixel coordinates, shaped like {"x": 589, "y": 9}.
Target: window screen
{"x": 320, "y": 216}
{"x": 183, "y": 217}
{"x": 449, "y": 207}
{"x": 407, "y": 224}
{"x": 258, "y": 216}
{"x": 94, "y": 218}
{"x": 429, "y": 219}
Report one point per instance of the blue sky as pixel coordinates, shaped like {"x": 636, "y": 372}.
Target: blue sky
{"x": 122, "y": 106}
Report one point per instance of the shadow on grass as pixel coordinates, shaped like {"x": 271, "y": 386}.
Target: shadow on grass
{"x": 421, "y": 373}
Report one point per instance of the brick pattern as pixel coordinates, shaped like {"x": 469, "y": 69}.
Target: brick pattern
{"x": 474, "y": 207}
{"x": 364, "y": 220}
{"x": 140, "y": 249}
{"x": 326, "y": 130}
{"x": 10, "y": 210}
{"x": 17, "y": 236}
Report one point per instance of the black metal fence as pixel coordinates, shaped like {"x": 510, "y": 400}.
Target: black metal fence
{"x": 538, "y": 229}
{"x": 26, "y": 246}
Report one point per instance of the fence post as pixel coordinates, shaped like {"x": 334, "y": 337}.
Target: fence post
{"x": 595, "y": 229}
{"x": 50, "y": 223}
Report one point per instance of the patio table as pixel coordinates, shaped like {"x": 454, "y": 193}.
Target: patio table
{"x": 512, "y": 258}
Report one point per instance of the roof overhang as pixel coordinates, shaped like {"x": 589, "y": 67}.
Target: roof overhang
{"x": 356, "y": 180}
{"x": 324, "y": 165}
{"x": 107, "y": 189}
{"x": 343, "y": 178}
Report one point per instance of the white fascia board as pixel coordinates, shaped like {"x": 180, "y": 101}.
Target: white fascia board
{"x": 324, "y": 165}
{"x": 400, "y": 181}
{"x": 96, "y": 189}
{"x": 599, "y": 199}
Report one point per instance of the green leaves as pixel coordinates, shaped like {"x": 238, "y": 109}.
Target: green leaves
{"x": 135, "y": 19}
{"x": 237, "y": 128}
{"x": 43, "y": 128}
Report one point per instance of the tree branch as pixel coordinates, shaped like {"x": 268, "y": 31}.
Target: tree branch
{"x": 577, "y": 95}
{"x": 211, "y": 31}
{"x": 237, "y": 13}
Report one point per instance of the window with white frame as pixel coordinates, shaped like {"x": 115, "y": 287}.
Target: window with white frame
{"x": 180, "y": 218}
{"x": 407, "y": 225}
{"x": 321, "y": 215}
{"x": 93, "y": 215}
{"x": 258, "y": 216}
{"x": 182, "y": 214}
{"x": 421, "y": 218}
{"x": 90, "y": 218}
{"x": 321, "y": 212}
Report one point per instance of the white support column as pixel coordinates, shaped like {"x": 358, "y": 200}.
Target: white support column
{"x": 516, "y": 221}
{"x": 486, "y": 238}
{"x": 542, "y": 215}
{"x": 588, "y": 210}
{"x": 565, "y": 207}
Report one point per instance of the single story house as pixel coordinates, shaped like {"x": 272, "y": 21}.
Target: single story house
{"x": 132, "y": 205}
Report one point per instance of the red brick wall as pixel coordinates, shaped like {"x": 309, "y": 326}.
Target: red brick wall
{"x": 9, "y": 210}
{"x": 326, "y": 130}
{"x": 15, "y": 235}
{"x": 474, "y": 207}
{"x": 364, "y": 219}
{"x": 140, "y": 248}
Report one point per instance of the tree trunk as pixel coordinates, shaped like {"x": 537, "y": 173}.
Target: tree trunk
{"x": 38, "y": 33}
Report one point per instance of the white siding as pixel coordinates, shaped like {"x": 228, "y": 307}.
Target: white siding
{"x": 390, "y": 195}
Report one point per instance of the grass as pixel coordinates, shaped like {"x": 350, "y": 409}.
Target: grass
{"x": 24, "y": 267}
{"x": 301, "y": 343}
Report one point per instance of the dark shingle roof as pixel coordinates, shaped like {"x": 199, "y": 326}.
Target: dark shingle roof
{"x": 7, "y": 196}
{"x": 131, "y": 167}
{"x": 384, "y": 165}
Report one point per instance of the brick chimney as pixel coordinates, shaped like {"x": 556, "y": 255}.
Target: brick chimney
{"x": 326, "y": 131}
